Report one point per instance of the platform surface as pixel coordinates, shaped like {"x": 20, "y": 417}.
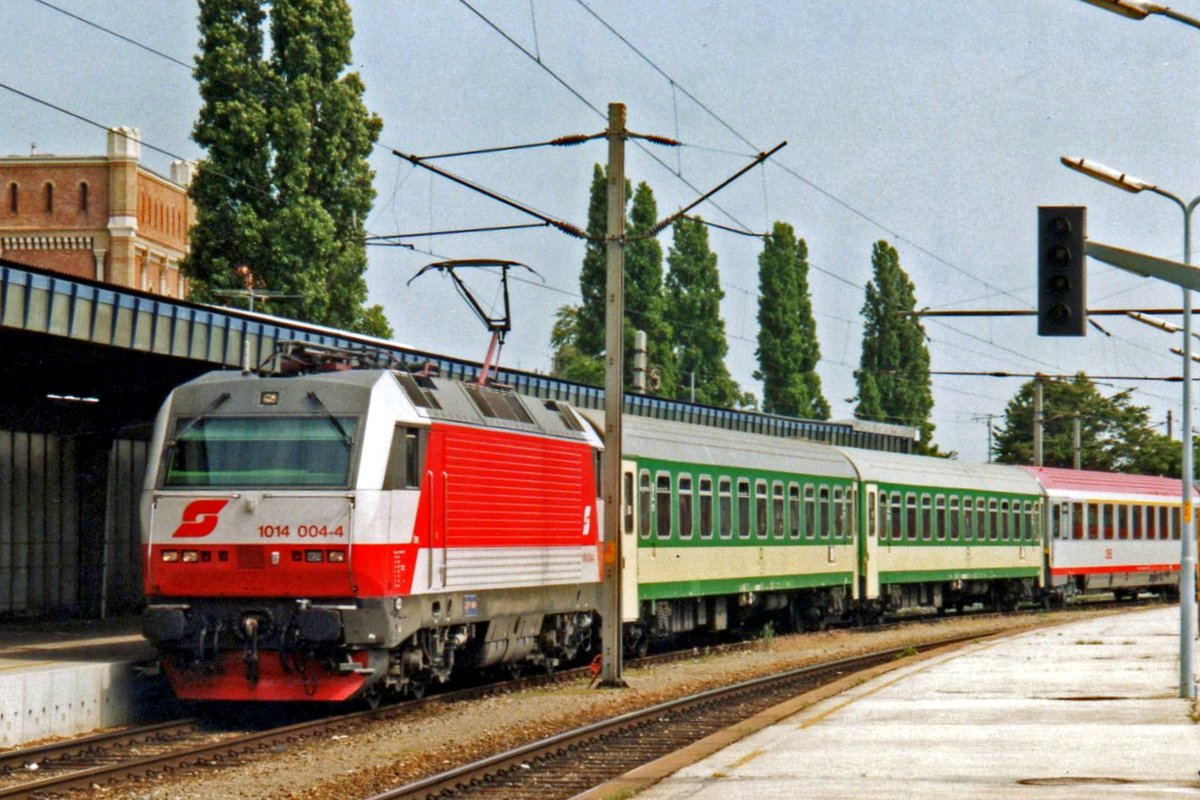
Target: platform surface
{"x": 65, "y": 678}
{"x": 1085, "y": 710}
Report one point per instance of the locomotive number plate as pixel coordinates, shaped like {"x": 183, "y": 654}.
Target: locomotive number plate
{"x": 302, "y": 531}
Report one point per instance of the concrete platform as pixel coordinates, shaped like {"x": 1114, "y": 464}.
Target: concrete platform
{"x": 1086, "y": 710}
{"x": 60, "y": 679}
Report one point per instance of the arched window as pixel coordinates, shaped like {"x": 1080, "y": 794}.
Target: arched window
{"x": 83, "y": 196}
{"x": 49, "y": 189}
{"x": 12, "y": 198}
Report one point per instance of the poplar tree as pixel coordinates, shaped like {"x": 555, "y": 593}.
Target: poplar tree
{"x": 893, "y": 375}
{"x": 788, "y": 351}
{"x": 231, "y": 186}
{"x": 302, "y": 147}
{"x": 693, "y": 311}
{"x": 645, "y": 304}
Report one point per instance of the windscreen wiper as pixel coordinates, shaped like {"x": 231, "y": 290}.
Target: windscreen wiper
{"x": 191, "y": 423}
{"x": 346, "y": 440}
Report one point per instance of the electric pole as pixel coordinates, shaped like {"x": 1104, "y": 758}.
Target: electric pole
{"x": 614, "y": 393}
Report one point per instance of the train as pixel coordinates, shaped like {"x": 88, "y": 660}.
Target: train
{"x": 336, "y": 528}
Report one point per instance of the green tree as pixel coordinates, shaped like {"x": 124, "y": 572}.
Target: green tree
{"x": 645, "y": 303}
{"x": 231, "y": 187}
{"x": 569, "y": 361}
{"x": 1115, "y": 435}
{"x": 893, "y": 374}
{"x": 693, "y": 310}
{"x": 788, "y": 350}
{"x": 307, "y": 137}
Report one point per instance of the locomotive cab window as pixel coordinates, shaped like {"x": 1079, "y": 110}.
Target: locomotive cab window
{"x": 406, "y": 459}
{"x": 261, "y": 451}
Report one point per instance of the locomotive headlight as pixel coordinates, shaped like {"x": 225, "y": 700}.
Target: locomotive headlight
{"x": 337, "y": 556}
{"x": 170, "y": 555}
{"x": 190, "y": 556}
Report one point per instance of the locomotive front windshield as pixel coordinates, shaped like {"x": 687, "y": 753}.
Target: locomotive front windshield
{"x": 261, "y": 451}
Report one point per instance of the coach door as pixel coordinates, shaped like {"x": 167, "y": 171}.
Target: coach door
{"x": 629, "y": 542}
{"x": 868, "y": 563}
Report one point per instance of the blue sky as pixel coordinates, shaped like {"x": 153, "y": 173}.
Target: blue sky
{"x": 935, "y": 125}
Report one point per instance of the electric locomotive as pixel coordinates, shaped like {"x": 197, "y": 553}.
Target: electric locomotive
{"x": 339, "y": 533}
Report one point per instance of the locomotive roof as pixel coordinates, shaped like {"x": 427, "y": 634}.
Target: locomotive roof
{"x": 1081, "y": 482}
{"x": 878, "y": 467}
{"x": 696, "y": 444}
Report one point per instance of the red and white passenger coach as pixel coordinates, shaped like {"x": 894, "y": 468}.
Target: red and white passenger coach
{"x": 1111, "y": 532}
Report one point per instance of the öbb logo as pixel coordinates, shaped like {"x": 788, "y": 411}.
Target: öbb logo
{"x": 199, "y": 518}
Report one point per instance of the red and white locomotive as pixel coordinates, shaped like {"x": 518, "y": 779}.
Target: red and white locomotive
{"x": 348, "y": 532}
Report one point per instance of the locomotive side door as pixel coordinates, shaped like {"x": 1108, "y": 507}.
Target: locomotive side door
{"x": 868, "y": 565}
{"x": 629, "y": 542}
{"x": 438, "y": 481}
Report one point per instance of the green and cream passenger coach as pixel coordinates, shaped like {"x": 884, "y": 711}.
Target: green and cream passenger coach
{"x": 941, "y": 533}
{"x": 722, "y": 527}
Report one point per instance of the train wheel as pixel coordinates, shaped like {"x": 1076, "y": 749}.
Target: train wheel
{"x": 415, "y": 689}
{"x": 372, "y": 696}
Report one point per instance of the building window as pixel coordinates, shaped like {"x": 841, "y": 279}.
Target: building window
{"x": 12, "y": 198}
{"x": 49, "y": 189}
{"x": 83, "y": 197}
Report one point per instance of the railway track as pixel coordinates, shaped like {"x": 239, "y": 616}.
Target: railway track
{"x": 569, "y": 763}
{"x": 154, "y": 751}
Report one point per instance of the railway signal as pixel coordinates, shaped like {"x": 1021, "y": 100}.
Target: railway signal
{"x": 1062, "y": 275}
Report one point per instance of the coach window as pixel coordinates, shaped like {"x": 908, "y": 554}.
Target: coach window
{"x": 897, "y": 523}
{"x": 1093, "y": 521}
{"x": 926, "y": 517}
{"x": 1107, "y": 520}
{"x": 851, "y": 511}
{"x": 823, "y": 515}
{"x": 882, "y": 517}
{"x": 684, "y": 492}
{"x": 955, "y": 520}
{"x": 1031, "y": 517}
{"x": 1058, "y": 520}
{"x": 1176, "y": 522}
{"x": 1121, "y": 521}
{"x": 1005, "y": 520}
{"x": 761, "y": 523}
{"x": 910, "y": 516}
{"x": 645, "y": 499}
{"x": 993, "y": 520}
{"x": 743, "y": 508}
{"x": 1151, "y": 522}
{"x": 1135, "y": 521}
{"x": 662, "y": 505}
{"x": 725, "y": 507}
{"x": 405, "y": 459}
{"x": 968, "y": 506}
{"x": 627, "y": 497}
{"x": 777, "y": 517}
{"x": 839, "y": 521}
{"x": 1078, "y": 520}
{"x": 810, "y": 511}
{"x": 706, "y": 510}
{"x": 794, "y": 510}
{"x": 940, "y": 517}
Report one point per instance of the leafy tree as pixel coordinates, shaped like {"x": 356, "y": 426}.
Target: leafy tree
{"x": 231, "y": 187}
{"x": 893, "y": 374}
{"x": 788, "y": 350}
{"x": 302, "y": 149}
{"x": 645, "y": 303}
{"x": 693, "y": 310}
{"x": 569, "y": 361}
{"x": 1115, "y": 435}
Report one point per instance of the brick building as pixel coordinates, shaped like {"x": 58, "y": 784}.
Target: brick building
{"x": 101, "y": 217}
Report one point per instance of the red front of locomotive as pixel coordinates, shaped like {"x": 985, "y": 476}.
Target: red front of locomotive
{"x": 302, "y": 534}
